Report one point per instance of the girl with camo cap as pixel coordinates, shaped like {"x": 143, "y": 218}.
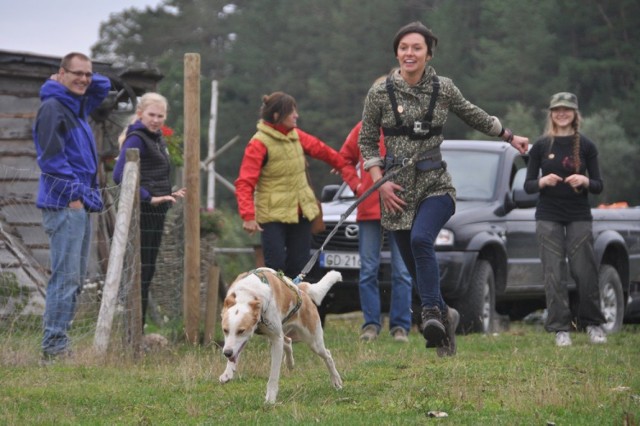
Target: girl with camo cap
{"x": 563, "y": 168}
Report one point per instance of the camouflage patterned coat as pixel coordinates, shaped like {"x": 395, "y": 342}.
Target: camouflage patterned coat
{"x": 413, "y": 102}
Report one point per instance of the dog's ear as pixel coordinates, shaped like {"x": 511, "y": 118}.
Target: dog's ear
{"x": 256, "y": 307}
{"x": 229, "y": 301}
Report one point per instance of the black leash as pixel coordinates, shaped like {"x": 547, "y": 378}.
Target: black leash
{"x": 388, "y": 175}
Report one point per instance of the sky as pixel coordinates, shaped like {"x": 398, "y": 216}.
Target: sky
{"x": 55, "y": 28}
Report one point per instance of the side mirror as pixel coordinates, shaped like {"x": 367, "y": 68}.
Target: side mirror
{"x": 520, "y": 197}
{"x": 329, "y": 192}
{"x": 524, "y": 200}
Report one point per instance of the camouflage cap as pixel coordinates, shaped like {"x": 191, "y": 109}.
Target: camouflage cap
{"x": 564, "y": 99}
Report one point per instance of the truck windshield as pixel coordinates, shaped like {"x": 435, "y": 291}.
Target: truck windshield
{"x": 473, "y": 173}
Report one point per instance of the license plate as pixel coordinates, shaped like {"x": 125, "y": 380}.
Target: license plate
{"x": 340, "y": 260}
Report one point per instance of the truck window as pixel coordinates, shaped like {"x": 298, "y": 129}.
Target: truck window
{"x": 473, "y": 173}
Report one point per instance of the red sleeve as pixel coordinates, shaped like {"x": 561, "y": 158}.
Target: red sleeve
{"x": 351, "y": 153}
{"x": 250, "y": 169}
{"x": 317, "y": 149}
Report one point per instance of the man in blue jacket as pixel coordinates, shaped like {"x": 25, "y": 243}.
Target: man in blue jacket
{"x": 68, "y": 189}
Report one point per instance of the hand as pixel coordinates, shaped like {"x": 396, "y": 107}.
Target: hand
{"x": 76, "y": 204}
{"x": 180, "y": 193}
{"x": 577, "y": 181}
{"x": 163, "y": 199}
{"x": 251, "y": 226}
{"x": 390, "y": 201}
{"x": 551, "y": 179}
{"x": 520, "y": 143}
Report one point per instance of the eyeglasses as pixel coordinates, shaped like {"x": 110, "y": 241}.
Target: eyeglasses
{"x": 80, "y": 74}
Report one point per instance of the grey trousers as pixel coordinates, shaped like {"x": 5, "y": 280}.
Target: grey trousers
{"x": 573, "y": 241}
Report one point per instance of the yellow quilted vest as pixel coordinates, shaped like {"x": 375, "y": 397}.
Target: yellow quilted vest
{"x": 283, "y": 185}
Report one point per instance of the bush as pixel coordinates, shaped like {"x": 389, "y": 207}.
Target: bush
{"x": 211, "y": 222}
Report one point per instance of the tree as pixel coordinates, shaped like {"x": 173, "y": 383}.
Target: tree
{"x": 599, "y": 53}
{"x": 507, "y": 57}
{"x": 515, "y": 55}
{"x": 617, "y": 157}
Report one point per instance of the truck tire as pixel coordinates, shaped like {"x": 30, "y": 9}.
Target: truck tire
{"x": 477, "y": 306}
{"x": 611, "y": 298}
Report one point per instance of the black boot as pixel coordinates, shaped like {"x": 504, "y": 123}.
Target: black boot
{"x": 432, "y": 328}
{"x": 450, "y": 320}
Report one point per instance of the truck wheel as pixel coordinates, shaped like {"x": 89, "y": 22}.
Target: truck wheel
{"x": 477, "y": 306}
{"x": 611, "y": 298}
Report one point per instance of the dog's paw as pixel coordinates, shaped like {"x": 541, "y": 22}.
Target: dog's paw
{"x": 224, "y": 378}
{"x": 270, "y": 398}
{"x": 290, "y": 362}
{"x": 337, "y": 382}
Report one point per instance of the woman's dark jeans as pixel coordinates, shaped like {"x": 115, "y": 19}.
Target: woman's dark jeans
{"x": 572, "y": 241}
{"x": 417, "y": 248}
{"x": 286, "y": 246}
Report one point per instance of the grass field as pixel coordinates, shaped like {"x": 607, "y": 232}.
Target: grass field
{"x": 517, "y": 377}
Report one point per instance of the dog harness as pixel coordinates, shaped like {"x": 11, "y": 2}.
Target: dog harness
{"x": 260, "y": 273}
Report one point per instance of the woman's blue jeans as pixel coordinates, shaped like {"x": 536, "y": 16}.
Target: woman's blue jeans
{"x": 417, "y": 247}
{"x": 370, "y": 241}
{"x": 69, "y": 232}
{"x": 286, "y": 246}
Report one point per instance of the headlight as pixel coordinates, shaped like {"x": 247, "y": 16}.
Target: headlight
{"x": 445, "y": 238}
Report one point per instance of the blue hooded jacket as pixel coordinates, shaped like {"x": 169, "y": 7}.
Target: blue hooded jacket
{"x": 65, "y": 145}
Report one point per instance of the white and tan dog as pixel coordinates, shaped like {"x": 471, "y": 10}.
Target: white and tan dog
{"x": 265, "y": 302}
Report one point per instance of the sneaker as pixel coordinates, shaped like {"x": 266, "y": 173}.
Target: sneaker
{"x": 399, "y": 335}
{"x": 563, "y": 338}
{"x": 369, "y": 333}
{"x": 596, "y": 334}
{"x": 432, "y": 328}
{"x": 450, "y": 322}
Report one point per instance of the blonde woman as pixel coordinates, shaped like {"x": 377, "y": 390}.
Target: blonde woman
{"x": 145, "y": 134}
{"x": 564, "y": 168}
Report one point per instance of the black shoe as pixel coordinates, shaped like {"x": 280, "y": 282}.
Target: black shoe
{"x": 432, "y": 328}
{"x": 450, "y": 321}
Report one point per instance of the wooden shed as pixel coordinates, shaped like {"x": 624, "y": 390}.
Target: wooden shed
{"x": 24, "y": 246}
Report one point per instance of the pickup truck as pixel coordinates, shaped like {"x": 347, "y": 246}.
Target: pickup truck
{"x": 487, "y": 252}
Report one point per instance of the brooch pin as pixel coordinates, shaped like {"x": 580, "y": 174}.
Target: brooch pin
{"x": 400, "y": 109}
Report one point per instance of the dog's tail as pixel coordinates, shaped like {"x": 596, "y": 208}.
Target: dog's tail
{"x": 319, "y": 290}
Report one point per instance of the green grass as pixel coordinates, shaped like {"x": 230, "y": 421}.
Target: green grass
{"x": 517, "y": 377}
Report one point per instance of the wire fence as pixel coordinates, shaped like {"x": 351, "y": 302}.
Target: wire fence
{"x": 25, "y": 270}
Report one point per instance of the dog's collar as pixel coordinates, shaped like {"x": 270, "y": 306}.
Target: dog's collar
{"x": 260, "y": 273}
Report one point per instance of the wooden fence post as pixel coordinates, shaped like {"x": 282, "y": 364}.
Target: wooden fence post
{"x": 191, "y": 288}
{"x": 128, "y": 199}
{"x": 133, "y": 334}
{"x": 211, "y": 310}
